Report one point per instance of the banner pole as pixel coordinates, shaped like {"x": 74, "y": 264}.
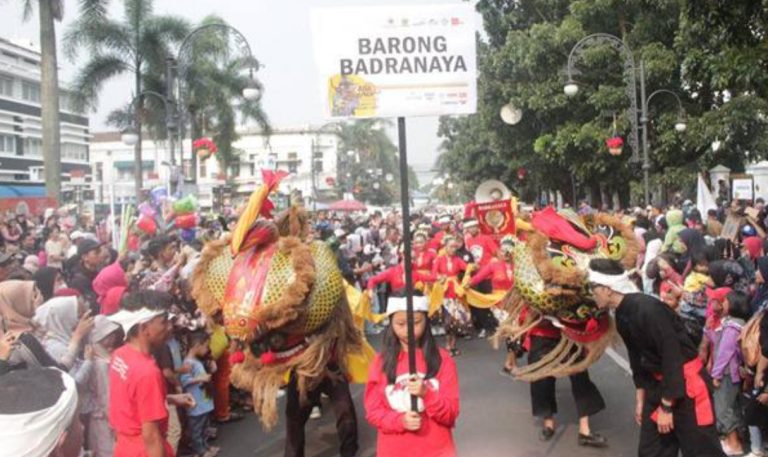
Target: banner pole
{"x": 405, "y": 203}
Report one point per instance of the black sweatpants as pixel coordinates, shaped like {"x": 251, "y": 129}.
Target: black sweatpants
{"x": 585, "y": 394}
{"x": 687, "y": 436}
{"x": 297, "y": 414}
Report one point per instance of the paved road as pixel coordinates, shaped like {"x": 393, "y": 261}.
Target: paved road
{"x": 495, "y": 417}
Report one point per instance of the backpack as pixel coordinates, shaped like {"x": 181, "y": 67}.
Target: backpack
{"x": 750, "y": 340}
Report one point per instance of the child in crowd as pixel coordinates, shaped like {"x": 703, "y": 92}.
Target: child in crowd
{"x": 713, "y": 328}
{"x": 695, "y": 287}
{"x": 106, "y": 337}
{"x": 402, "y": 431}
{"x": 726, "y": 376}
{"x": 195, "y": 383}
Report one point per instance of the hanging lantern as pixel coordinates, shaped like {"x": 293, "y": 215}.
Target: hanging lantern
{"x": 615, "y": 145}
{"x": 521, "y": 172}
{"x": 205, "y": 147}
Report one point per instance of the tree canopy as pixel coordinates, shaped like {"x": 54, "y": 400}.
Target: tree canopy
{"x": 712, "y": 54}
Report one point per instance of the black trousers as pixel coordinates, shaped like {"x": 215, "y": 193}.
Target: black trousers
{"x": 483, "y": 319}
{"x": 687, "y": 436}
{"x": 588, "y": 399}
{"x": 297, "y": 414}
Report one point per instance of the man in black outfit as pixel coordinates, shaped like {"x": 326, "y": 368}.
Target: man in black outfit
{"x": 674, "y": 395}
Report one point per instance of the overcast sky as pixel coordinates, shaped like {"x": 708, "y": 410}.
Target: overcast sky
{"x": 280, "y": 37}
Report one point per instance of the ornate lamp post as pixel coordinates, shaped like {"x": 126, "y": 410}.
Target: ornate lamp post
{"x": 631, "y": 77}
{"x": 252, "y": 91}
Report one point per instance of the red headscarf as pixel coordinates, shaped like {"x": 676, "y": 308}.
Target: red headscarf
{"x": 110, "y": 277}
{"x": 753, "y": 246}
{"x": 110, "y": 304}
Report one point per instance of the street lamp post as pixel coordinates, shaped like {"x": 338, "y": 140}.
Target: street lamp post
{"x": 130, "y": 136}
{"x": 571, "y": 89}
{"x": 182, "y": 62}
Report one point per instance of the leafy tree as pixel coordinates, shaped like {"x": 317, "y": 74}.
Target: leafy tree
{"x": 699, "y": 50}
{"x": 373, "y": 157}
{"x": 137, "y": 44}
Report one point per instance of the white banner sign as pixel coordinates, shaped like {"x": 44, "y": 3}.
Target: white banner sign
{"x": 742, "y": 189}
{"x": 391, "y": 61}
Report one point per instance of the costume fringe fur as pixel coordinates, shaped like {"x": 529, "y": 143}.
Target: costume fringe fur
{"x": 569, "y": 356}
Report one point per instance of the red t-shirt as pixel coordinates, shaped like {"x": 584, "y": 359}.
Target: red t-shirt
{"x": 385, "y": 405}
{"x": 136, "y": 396}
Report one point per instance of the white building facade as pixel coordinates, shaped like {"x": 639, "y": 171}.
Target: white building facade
{"x": 288, "y": 149}
{"x": 21, "y": 144}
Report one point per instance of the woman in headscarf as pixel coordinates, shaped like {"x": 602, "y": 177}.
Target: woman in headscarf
{"x": 48, "y": 280}
{"x": 110, "y": 277}
{"x": 66, "y": 322}
{"x": 18, "y": 302}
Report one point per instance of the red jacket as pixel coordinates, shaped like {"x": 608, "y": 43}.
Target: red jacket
{"x": 436, "y": 242}
{"x": 423, "y": 260}
{"x": 395, "y": 277}
{"x": 482, "y": 247}
{"x": 501, "y": 273}
{"x": 385, "y": 406}
{"x": 448, "y": 266}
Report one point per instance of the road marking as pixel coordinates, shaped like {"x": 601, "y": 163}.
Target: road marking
{"x": 620, "y": 361}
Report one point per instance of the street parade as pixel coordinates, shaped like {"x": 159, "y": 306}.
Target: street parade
{"x": 434, "y": 229}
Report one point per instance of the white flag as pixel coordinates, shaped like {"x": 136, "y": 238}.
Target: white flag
{"x": 704, "y": 199}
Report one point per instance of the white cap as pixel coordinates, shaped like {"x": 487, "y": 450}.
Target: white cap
{"x": 77, "y": 234}
{"x": 445, "y": 219}
{"x": 395, "y": 304}
{"x": 128, "y": 319}
{"x": 469, "y": 223}
{"x": 338, "y": 233}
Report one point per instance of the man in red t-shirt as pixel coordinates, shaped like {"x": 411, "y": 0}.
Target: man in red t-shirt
{"x": 137, "y": 391}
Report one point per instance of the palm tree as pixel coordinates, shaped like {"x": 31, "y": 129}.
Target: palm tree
{"x": 213, "y": 82}
{"x": 373, "y": 150}
{"x": 138, "y": 44}
{"x": 214, "y": 85}
{"x": 50, "y": 12}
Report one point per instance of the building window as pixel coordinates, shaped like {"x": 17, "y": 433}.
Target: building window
{"x": 74, "y": 152}
{"x": 8, "y": 144}
{"x": 203, "y": 169}
{"x": 30, "y": 91}
{"x": 33, "y": 147}
{"x": 99, "y": 171}
{"x": 6, "y": 86}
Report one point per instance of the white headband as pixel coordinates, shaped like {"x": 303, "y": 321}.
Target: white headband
{"x": 396, "y": 304}
{"x": 618, "y": 283}
{"x": 128, "y": 319}
{"x": 37, "y": 433}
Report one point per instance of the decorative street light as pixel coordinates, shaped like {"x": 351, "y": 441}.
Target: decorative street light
{"x": 570, "y": 88}
{"x": 631, "y": 77}
{"x": 252, "y": 90}
{"x": 129, "y": 137}
{"x": 389, "y": 177}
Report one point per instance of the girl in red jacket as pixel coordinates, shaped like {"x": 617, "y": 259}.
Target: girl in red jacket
{"x": 390, "y": 386}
